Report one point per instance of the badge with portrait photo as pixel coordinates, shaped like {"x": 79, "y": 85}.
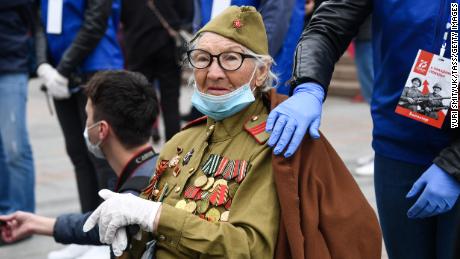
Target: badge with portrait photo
{"x": 427, "y": 93}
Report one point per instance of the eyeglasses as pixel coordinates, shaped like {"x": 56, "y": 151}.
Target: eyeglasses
{"x": 229, "y": 61}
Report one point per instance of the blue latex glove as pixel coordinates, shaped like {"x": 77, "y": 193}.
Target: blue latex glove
{"x": 440, "y": 192}
{"x": 289, "y": 121}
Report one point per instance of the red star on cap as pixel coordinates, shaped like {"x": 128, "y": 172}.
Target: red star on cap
{"x": 237, "y": 23}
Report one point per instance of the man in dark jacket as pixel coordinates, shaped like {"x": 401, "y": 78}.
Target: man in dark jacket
{"x": 18, "y": 177}
{"x": 123, "y": 132}
{"x": 151, "y": 50}
{"x": 412, "y": 159}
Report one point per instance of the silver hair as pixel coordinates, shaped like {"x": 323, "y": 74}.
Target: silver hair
{"x": 261, "y": 60}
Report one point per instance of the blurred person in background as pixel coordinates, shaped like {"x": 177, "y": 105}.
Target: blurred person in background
{"x": 151, "y": 50}
{"x": 80, "y": 41}
{"x": 17, "y": 174}
{"x": 121, "y": 108}
{"x": 283, "y": 21}
{"x": 365, "y": 69}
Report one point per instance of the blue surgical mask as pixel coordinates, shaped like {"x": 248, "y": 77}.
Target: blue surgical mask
{"x": 219, "y": 107}
{"x": 95, "y": 149}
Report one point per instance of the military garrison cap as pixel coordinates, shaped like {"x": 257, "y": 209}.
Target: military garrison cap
{"x": 241, "y": 24}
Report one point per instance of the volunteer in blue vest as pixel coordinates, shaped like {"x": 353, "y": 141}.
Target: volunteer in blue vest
{"x": 283, "y": 20}
{"x": 417, "y": 166}
{"x": 81, "y": 40}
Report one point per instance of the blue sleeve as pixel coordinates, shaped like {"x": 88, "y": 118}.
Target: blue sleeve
{"x": 196, "y": 15}
{"x": 277, "y": 16}
{"x": 69, "y": 230}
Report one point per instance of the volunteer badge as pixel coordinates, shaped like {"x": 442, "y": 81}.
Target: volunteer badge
{"x": 427, "y": 94}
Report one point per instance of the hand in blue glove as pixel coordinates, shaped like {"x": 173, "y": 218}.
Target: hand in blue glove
{"x": 289, "y": 121}
{"x": 440, "y": 192}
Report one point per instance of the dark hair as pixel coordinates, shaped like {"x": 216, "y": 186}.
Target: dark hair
{"x": 127, "y": 101}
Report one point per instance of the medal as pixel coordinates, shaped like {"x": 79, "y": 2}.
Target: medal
{"x": 200, "y": 181}
{"x": 232, "y": 188}
{"x": 213, "y": 215}
{"x": 181, "y": 204}
{"x": 187, "y": 157}
{"x": 219, "y": 196}
{"x": 151, "y": 189}
{"x": 163, "y": 192}
{"x": 198, "y": 195}
{"x": 191, "y": 191}
{"x": 204, "y": 195}
{"x": 219, "y": 182}
{"x": 202, "y": 206}
{"x": 224, "y": 216}
{"x": 176, "y": 171}
{"x": 190, "y": 207}
{"x": 228, "y": 205}
{"x": 242, "y": 172}
{"x": 228, "y": 171}
{"x": 209, "y": 184}
{"x": 210, "y": 167}
{"x": 221, "y": 167}
{"x": 175, "y": 160}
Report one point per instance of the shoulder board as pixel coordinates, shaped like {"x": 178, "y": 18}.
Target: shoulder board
{"x": 255, "y": 126}
{"x": 195, "y": 122}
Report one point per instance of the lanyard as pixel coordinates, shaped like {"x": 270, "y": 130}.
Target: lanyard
{"x": 134, "y": 163}
{"x": 444, "y": 42}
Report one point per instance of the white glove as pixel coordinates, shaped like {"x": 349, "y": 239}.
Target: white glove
{"x": 56, "y": 84}
{"x": 118, "y": 211}
{"x": 120, "y": 242}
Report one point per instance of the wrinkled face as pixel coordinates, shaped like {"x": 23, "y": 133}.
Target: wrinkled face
{"x": 216, "y": 81}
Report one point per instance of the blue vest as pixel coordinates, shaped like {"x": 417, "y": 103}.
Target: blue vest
{"x": 400, "y": 29}
{"x": 285, "y": 56}
{"x": 106, "y": 56}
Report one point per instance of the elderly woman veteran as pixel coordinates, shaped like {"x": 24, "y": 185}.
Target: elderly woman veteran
{"x": 218, "y": 192}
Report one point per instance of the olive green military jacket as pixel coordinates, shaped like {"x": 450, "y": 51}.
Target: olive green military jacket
{"x": 210, "y": 168}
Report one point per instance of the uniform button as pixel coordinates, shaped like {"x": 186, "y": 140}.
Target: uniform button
{"x": 211, "y": 127}
{"x": 254, "y": 118}
{"x": 177, "y": 189}
{"x": 162, "y": 238}
{"x": 191, "y": 170}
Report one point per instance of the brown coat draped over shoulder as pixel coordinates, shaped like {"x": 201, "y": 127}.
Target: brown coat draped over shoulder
{"x": 323, "y": 212}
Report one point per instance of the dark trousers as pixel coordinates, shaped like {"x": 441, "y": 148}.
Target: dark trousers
{"x": 92, "y": 174}
{"x": 162, "y": 66}
{"x": 405, "y": 238}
